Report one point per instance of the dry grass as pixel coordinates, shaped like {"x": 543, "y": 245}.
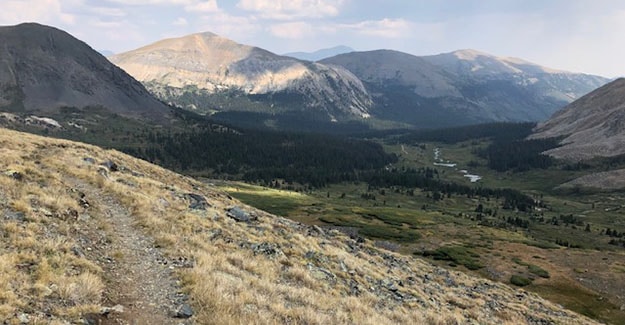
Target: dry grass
{"x": 312, "y": 279}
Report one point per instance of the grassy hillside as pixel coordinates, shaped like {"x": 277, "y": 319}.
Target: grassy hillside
{"x": 80, "y": 222}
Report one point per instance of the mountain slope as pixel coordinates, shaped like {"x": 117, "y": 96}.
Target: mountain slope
{"x": 320, "y": 54}
{"x": 593, "y": 125}
{"x": 43, "y": 69}
{"x": 462, "y": 87}
{"x": 195, "y": 70}
{"x": 62, "y": 203}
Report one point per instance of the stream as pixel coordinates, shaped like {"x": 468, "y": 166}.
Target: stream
{"x": 438, "y": 161}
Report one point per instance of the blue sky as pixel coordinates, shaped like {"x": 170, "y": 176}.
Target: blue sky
{"x": 576, "y": 35}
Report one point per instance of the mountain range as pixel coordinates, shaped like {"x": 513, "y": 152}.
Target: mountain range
{"x": 320, "y": 54}
{"x": 211, "y": 74}
{"x": 197, "y": 71}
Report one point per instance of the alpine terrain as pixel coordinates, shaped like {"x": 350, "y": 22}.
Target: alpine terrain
{"x": 462, "y": 87}
{"x": 95, "y": 236}
{"x": 208, "y": 73}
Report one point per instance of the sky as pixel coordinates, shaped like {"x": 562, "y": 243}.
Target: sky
{"x": 575, "y": 35}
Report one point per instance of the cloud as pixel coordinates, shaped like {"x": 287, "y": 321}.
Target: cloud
{"x": 292, "y": 30}
{"x": 188, "y": 5}
{"x": 385, "y": 28}
{"x": 180, "y": 21}
{"x": 42, "y": 11}
{"x": 292, "y": 9}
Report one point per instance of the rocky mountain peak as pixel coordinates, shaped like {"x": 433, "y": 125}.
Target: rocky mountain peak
{"x": 215, "y": 64}
{"x": 43, "y": 68}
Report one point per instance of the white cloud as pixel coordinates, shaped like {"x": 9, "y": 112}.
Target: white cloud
{"x": 386, "y": 28}
{"x": 292, "y": 9}
{"x": 292, "y": 30}
{"x": 202, "y": 6}
{"x": 180, "y": 21}
{"x": 189, "y": 5}
{"x": 42, "y": 11}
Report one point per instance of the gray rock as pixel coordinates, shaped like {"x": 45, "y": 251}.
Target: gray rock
{"x": 110, "y": 165}
{"x": 184, "y": 311}
{"x": 89, "y": 160}
{"x": 23, "y": 318}
{"x": 239, "y": 214}
{"x": 197, "y": 202}
{"x": 15, "y": 216}
{"x": 267, "y": 249}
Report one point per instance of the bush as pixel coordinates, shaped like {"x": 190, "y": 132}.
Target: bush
{"x": 520, "y": 281}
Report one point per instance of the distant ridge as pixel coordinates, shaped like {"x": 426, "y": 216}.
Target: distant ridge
{"x": 320, "y": 54}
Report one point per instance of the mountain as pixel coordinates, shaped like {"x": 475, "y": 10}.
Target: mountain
{"x": 106, "y": 52}
{"x": 208, "y": 73}
{"x": 462, "y": 87}
{"x": 93, "y": 236}
{"x": 320, "y": 54}
{"x": 592, "y": 126}
{"x": 44, "y": 69}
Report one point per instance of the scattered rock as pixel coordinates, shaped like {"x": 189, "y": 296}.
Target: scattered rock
{"x": 240, "y": 215}
{"x": 119, "y": 309}
{"x": 89, "y": 160}
{"x": 267, "y": 249}
{"x": 23, "y": 318}
{"x": 14, "y": 174}
{"x": 198, "y": 202}
{"x": 110, "y": 165}
{"x": 15, "y": 216}
{"x": 183, "y": 311}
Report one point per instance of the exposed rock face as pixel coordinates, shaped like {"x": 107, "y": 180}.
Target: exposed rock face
{"x": 43, "y": 68}
{"x": 463, "y": 87}
{"x": 593, "y": 125}
{"x": 214, "y": 65}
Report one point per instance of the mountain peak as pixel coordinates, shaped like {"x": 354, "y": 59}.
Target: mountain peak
{"x": 46, "y": 68}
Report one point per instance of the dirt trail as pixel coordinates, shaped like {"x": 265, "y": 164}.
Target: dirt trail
{"x": 137, "y": 276}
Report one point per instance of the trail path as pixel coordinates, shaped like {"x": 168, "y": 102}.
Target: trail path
{"x": 138, "y": 277}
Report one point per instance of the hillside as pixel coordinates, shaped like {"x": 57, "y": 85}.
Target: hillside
{"x": 95, "y": 235}
{"x": 462, "y": 87}
{"x": 44, "y": 70}
{"x": 198, "y": 71}
{"x": 592, "y": 126}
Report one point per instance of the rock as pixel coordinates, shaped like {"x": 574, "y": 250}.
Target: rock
{"x": 110, "y": 165}
{"x": 23, "y": 318}
{"x": 77, "y": 251}
{"x": 183, "y": 311}
{"x": 89, "y": 160}
{"x": 18, "y": 176}
{"x": 197, "y": 202}
{"x": 268, "y": 249}
{"x": 239, "y": 214}
{"x": 119, "y": 309}
{"x": 15, "y": 216}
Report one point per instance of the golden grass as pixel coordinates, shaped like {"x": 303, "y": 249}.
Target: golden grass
{"x": 308, "y": 282}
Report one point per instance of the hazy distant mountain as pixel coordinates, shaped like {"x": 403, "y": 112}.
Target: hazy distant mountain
{"x": 593, "y": 125}
{"x": 462, "y": 87}
{"x": 106, "y": 52}
{"x": 212, "y": 74}
{"x": 43, "y": 69}
{"x": 320, "y": 54}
